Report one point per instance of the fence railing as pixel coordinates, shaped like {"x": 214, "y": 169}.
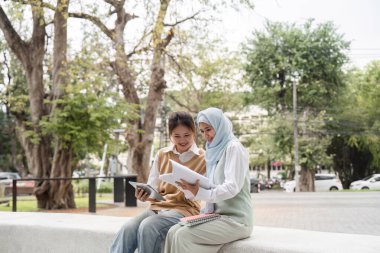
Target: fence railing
{"x": 122, "y": 190}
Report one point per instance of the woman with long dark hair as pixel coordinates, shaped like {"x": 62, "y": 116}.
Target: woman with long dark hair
{"x": 147, "y": 231}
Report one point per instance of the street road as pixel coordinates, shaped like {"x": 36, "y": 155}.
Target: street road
{"x": 342, "y": 212}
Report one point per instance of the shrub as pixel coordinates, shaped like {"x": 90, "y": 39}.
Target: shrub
{"x": 105, "y": 187}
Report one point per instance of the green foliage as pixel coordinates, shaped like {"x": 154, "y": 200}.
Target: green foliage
{"x": 274, "y": 142}
{"x": 81, "y": 187}
{"x": 85, "y": 119}
{"x": 29, "y": 204}
{"x": 226, "y": 101}
{"x": 14, "y": 93}
{"x": 283, "y": 137}
{"x": 89, "y": 112}
{"x": 5, "y": 142}
{"x": 360, "y": 108}
{"x": 354, "y": 123}
{"x": 310, "y": 55}
{"x": 105, "y": 187}
{"x": 263, "y": 143}
{"x": 13, "y": 99}
{"x": 208, "y": 73}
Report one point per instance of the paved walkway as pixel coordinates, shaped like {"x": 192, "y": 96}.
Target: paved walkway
{"x": 122, "y": 211}
{"x": 342, "y": 212}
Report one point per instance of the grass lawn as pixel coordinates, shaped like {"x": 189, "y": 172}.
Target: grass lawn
{"x": 29, "y": 203}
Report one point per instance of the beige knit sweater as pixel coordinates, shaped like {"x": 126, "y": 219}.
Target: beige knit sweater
{"x": 175, "y": 199}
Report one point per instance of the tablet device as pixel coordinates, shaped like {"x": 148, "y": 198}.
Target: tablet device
{"x": 147, "y": 188}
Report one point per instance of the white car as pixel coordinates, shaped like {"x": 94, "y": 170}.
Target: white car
{"x": 368, "y": 183}
{"x": 7, "y": 177}
{"x": 323, "y": 182}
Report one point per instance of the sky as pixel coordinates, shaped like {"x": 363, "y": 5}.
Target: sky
{"x": 357, "y": 20}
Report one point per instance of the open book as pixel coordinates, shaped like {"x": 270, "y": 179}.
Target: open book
{"x": 182, "y": 172}
{"x": 149, "y": 189}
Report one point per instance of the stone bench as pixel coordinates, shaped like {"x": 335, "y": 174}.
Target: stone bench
{"x": 27, "y": 232}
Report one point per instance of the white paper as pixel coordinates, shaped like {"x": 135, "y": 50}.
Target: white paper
{"x": 182, "y": 172}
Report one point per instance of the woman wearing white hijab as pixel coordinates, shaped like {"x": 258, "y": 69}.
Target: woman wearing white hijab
{"x": 227, "y": 168}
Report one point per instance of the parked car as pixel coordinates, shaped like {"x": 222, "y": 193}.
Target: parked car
{"x": 3, "y": 185}
{"x": 323, "y": 182}
{"x": 7, "y": 177}
{"x": 255, "y": 185}
{"x": 23, "y": 187}
{"x": 368, "y": 183}
{"x": 78, "y": 173}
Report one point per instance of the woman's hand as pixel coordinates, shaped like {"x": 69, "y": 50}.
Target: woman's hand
{"x": 193, "y": 188}
{"x": 142, "y": 195}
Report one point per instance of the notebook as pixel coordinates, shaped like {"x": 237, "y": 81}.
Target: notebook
{"x": 199, "y": 219}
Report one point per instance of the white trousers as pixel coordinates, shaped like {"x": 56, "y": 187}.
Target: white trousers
{"x": 208, "y": 237}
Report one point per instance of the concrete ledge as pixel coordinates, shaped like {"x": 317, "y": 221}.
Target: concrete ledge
{"x": 284, "y": 240}
{"x": 25, "y": 232}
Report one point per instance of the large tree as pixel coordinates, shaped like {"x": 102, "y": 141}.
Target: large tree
{"x": 150, "y": 47}
{"x": 64, "y": 114}
{"x": 36, "y": 145}
{"x": 310, "y": 56}
{"x": 140, "y": 130}
{"x": 355, "y": 126}
{"x": 50, "y": 105}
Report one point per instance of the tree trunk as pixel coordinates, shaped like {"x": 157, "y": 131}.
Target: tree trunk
{"x": 31, "y": 54}
{"x": 37, "y": 147}
{"x": 139, "y": 157}
{"x": 17, "y": 156}
{"x": 307, "y": 175}
{"x": 123, "y": 72}
{"x": 156, "y": 92}
{"x": 140, "y": 143}
{"x": 306, "y": 180}
{"x": 58, "y": 194}
{"x": 140, "y": 130}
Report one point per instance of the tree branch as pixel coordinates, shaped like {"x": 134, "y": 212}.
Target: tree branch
{"x": 36, "y": 4}
{"x": 180, "y": 103}
{"x": 91, "y": 18}
{"x": 5, "y": 63}
{"x": 143, "y": 49}
{"x": 18, "y": 46}
{"x": 115, "y": 3}
{"x": 96, "y": 21}
{"x": 172, "y": 58}
{"x": 168, "y": 38}
{"x": 184, "y": 20}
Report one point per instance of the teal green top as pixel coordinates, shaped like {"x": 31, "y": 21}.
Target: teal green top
{"x": 239, "y": 207}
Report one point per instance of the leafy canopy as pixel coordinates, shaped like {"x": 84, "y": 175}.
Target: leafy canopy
{"x": 312, "y": 55}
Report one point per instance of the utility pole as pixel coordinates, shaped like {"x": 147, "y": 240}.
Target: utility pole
{"x": 296, "y": 165}
{"x": 99, "y": 181}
